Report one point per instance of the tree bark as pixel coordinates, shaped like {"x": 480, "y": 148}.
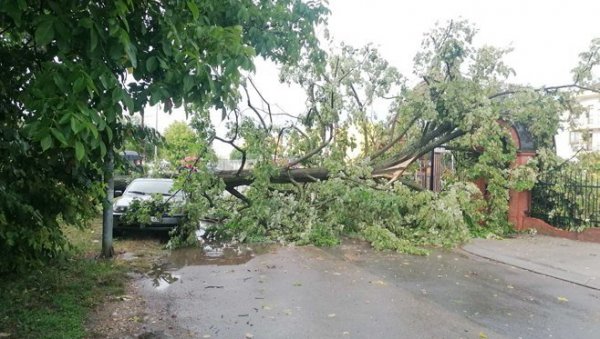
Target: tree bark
{"x": 297, "y": 175}
{"x": 107, "y": 206}
{"x": 233, "y": 178}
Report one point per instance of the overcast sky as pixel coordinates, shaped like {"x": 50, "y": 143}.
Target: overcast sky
{"x": 546, "y": 36}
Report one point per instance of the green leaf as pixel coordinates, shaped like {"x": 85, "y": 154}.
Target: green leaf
{"x": 76, "y": 126}
{"x": 44, "y": 32}
{"x": 188, "y": 83}
{"x": 128, "y": 102}
{"x": 79, "y": 85}
{"x": 117, "y": 94}
{"x": 59, "y": 81}
{"x": 79, "y": 150}
{"x": 151, "y": 64}
{"x": 131, "y": 54}
{"x": 58, "y": 135}
{"x": 86, "y": 23}
{"x": 13, "y": 10}
{"x": 194, "y": 9}
{"x": 102, "y": 149}
{"x": 63, "y": 120}
{"x": 93, "y": 39}
{"x": 109, "y": 134}
{"x": 167, "y": 48}
{"x": 92, "y": 129}
{"x": 103, "y": 81}
{"x": 46, "y": 142}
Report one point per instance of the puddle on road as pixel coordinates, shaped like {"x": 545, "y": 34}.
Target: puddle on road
{"x": 217, "y": 254}
{"x": 161, "y": 277}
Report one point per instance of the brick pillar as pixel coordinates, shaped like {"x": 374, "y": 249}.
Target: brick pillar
{"x": 519, "y": 203}
{"x": 481, "y": 184}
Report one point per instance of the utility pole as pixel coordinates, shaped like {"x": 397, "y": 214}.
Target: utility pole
{"x": 107, "y": 205}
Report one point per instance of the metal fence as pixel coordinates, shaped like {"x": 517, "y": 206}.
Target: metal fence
{"x": 443, "y": 161}
{"x": 567, "y": 199}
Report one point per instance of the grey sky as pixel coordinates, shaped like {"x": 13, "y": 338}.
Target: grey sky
{"x": 546, "y": 36}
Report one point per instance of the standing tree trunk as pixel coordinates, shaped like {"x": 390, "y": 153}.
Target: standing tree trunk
{"x": 107, "y": 206}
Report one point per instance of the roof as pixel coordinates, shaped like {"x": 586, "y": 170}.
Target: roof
{"x": 131, "y": 155}
{"x": 153, "y": 179}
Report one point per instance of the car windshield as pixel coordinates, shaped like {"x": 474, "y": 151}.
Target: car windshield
{"x": 148, "y": 187}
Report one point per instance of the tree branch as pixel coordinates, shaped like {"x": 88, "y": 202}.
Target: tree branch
{"x": 355, "y": 95}
{"x": 263, "y": 99}
{"x": 249, "y": 102}
{"x": 279, "y": 136}
{"x": 441, "y": 136}
{"x": 238, "y": 195}
{"x": 393, "y": 142}
{"x": 546, "y": 89}
{"x": 314, "y": 151}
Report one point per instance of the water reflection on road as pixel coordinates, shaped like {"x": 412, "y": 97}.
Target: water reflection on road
{"x": 217, "y": 254}
{"x": 162, "y": 275}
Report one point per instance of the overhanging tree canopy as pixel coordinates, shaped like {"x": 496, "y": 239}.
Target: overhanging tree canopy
{"x": 66, "y": 94}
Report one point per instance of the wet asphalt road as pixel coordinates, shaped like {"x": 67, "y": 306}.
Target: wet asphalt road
{"x": 353, "y": 292}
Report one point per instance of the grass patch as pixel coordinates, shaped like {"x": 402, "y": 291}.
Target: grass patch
{"x": 54, "y": 301}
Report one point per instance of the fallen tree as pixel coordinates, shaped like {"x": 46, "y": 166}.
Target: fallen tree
{"x": 313, "y": 171}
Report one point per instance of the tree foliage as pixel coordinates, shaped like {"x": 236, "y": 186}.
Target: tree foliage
{"x": 74, "y": 72}
{"x": 463, "y": 99}
{"x": 180, "y": 141}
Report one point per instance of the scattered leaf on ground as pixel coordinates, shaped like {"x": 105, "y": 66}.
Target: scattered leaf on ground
{"x": 562, "y": 299}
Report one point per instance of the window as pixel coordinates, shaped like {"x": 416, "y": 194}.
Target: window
{"x": 595, "y": 141}
{"x": 595, "y": 118}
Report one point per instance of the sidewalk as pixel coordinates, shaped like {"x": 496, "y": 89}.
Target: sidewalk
{"x": 573, "y": 261}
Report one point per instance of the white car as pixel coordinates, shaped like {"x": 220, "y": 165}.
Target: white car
{"x": 144, "y": 189}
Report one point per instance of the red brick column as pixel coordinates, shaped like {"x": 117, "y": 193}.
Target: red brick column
{"x": 519, "y": 203}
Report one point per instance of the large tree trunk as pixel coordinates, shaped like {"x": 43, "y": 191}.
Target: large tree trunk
{"x": 107, "y": 206}
{"x": 391, "y": 169}
{"x": 234, "y": 179}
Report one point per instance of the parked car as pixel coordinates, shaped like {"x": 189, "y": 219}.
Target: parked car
{"x": 131, "y": 168}
{"x": 143, "y": 189}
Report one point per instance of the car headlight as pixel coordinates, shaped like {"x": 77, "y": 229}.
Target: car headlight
{"x": 119, "y": 208}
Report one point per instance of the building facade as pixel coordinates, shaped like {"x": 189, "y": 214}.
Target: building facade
{"x": 584, "y": 135}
